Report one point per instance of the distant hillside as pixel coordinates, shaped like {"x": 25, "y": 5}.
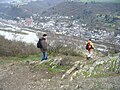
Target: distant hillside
{"x": 9, "y": 11}
{"x": 83, "y": 9}
{"x": 5, "y": 1}
{"x": 40, "y": 6}
{"x": 88, "y": 12}
{"x": 113, "y": 1}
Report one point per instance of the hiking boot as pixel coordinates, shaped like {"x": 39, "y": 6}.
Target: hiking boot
{"x": 88, "y": 58}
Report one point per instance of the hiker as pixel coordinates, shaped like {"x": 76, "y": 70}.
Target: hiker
{"x": 42, "y": 44}
{"x": 90, "y": 47}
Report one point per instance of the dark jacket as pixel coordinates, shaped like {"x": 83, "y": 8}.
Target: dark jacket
{"x": 44, "y": 45}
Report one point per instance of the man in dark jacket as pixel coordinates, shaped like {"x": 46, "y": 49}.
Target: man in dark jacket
{"x": 44, "y": 47}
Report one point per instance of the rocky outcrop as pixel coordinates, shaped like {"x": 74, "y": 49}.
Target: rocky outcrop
{"x": 76, "y": 65}
{"x": 102, "y": 67}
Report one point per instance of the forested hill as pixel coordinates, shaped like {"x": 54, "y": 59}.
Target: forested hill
{"x": 10, "y": 10}
{"x": 61, "y": 7}
{"x": 82, "y": 9}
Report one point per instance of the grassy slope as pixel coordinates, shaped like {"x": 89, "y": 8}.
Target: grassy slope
{"x": 54, "y": 69}
{"x": 20, "y": 59}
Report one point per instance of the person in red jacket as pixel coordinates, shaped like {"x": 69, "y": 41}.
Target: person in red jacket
{"x": 90, "y": 47}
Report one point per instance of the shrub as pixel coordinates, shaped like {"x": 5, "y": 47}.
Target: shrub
{"x": 60, "y": 49}
{"x": 15, "y": 48}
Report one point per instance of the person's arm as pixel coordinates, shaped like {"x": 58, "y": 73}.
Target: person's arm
{"x": 92, "y": 45}
{"x": 45, "y": 44}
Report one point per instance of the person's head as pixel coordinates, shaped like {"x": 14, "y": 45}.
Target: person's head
{"x": 44, "y": 35}
{"x": 90, "y": 39}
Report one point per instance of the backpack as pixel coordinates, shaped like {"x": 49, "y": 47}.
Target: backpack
{"x": 88, "y": 46}
{"x": 39, "y": 44}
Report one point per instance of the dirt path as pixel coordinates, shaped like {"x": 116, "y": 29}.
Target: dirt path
{"x": 22, "y": 77}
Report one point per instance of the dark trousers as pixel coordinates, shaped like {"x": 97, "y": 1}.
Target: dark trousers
{"x": 44, "y": 56}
